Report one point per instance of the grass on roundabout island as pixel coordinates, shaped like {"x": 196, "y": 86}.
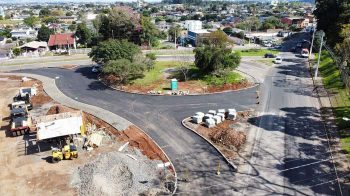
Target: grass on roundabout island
{"x": 163, "y": 71}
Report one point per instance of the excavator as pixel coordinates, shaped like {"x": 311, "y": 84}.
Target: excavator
{"x": 68, "y": 152}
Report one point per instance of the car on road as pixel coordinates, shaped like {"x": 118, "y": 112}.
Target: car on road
{"x": 269, "y": 55}
{"x": 304, "y": 53}
{"x": 96, "y": 68}
{"x": 278, "y": 60}
{"x": 299, "y": 44}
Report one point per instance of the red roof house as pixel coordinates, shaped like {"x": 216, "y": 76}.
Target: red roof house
{"x": 62, "y": 41}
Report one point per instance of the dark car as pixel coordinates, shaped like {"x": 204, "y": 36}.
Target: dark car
{"x": 293, "y": 49}
{"x": 269, "y": 55}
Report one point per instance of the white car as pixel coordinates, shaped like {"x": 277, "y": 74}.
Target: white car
{"x": 278, "y": 60}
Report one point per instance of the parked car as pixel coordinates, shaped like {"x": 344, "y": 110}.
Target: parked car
{"x": 96, "y": 68}
{"x": 278, "y": 60}
{"x": 269, "y": 55}
{"x": 293, "y": 49}
{"x": 304, "y": 53}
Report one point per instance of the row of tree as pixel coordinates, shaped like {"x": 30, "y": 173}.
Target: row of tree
{"x": 333, "y": 17}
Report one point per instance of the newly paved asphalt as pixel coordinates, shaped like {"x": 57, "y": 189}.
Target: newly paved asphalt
{"x": 290, "y": 155}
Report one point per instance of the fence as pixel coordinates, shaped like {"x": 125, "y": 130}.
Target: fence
{"x": 80, "y": 51}
{"x": 343, "y": 68}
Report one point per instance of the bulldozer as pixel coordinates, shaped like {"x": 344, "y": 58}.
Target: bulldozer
{"x": 68, "y": 152}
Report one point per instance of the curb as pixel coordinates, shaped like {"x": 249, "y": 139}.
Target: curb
{"x": 234, "y": 167}
{"x": 54, "y": 81}
{"x": 256, "y": 83}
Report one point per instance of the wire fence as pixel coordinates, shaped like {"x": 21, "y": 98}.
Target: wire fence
{"x": 343, "y": 68}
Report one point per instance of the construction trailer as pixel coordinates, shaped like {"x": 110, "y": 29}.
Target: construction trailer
{"x": 58, "y": 125}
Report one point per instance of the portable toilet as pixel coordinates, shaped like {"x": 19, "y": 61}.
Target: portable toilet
{"x": 199, "y": 114}
{"x": 173, "y": 84}
{"x": 221, "y": 111}
{"x": 207, "y": 116}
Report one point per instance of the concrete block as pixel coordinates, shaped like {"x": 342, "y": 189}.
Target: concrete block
{"x": 213, "y": 112}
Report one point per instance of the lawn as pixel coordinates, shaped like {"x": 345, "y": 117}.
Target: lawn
{"x": 340, "y": 98}
{"x": 257, "y": 52}
{"x": 10, "y": 22}
{"x": 157, "y": 80}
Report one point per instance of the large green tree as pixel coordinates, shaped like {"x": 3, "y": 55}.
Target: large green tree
{"x": 124, "y": 69}
{"x": 174, "y": 32}
{"x": 44, "y": 33}
{"x": 150, "y": 33}
{"x": 83, "y": 33}
{"x": 331, "y": 16}
{"x": 31, "y": 21}
{"x": 120, "y": 23}
{"x": 114, "y": 49}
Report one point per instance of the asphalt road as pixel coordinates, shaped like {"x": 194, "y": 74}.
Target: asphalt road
{"x": 290, "y": 155}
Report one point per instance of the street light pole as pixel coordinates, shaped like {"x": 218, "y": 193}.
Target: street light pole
{"x": 319, "y": 54}
{"x": 312, "y": 42}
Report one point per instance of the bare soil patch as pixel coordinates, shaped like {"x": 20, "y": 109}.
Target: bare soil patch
{"x": 25, "y": 170}
{"x": 229, "y": 136}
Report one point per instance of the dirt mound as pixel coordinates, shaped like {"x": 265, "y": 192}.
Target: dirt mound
{"x": 116, "y": 173}
{"x": 226, "y": 87}
{"x": 229, "y": 137}
{"x": 57, "y": 109}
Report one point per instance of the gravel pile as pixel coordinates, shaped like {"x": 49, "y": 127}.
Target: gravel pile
{"x": 116, "y": 173}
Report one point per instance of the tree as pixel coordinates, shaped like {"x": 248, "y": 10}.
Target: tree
{"x": 211, "y": 59}
{"x": 49, "y": 19}
{"x": 112, "y": 50}
{"x": 121, "y": 23}
{"x": 227, "y": 30}
{"x": 6, "y": 32}
{"x": 16, "y": 51}
{"x": 57, "y": 12}
{"x": 44, "y": 33}
{"x": 217, "y": 39}
{"x": 31, "y": 21}
{"x": 44, "y": 12}
{"x": 124, "y": 69}
{"x": 72, "y": 27}
{"x": 83, "y": 34}
{"x": 69, "y": 14}
{"x": 174, "y": 32}
{"x": 150, "y": 33}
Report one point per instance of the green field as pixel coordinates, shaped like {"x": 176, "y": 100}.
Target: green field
{"x": 257, "y": 52}
{"x": 10, "y": 22}
{"x": 340, "y": 98}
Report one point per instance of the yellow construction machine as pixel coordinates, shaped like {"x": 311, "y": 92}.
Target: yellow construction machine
{"x": 68, "y": 152}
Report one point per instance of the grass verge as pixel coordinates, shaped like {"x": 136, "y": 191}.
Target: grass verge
{"x": 257, "y": 52}
{"x": 339, "y": 97}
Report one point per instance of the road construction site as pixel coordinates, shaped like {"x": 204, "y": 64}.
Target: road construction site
{"x": 128, "y": 161}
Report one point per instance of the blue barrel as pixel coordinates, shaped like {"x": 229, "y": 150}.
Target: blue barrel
{"x": 173, "y": 84}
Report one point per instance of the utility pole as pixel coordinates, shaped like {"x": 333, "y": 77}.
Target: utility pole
{"x": 319, "y": 54}
{"x": 312, "y": 42}
{"x": 175, "y": 39}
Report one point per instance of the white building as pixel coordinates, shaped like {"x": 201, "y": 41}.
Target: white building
{"x": 24, "y": 33}
{"x": 2, "y": 12}
{"x": 193, "y": 25}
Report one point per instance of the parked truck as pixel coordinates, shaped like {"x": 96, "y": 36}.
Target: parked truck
{"x": 18, "y": 99}
{"x": 20, "y": 121}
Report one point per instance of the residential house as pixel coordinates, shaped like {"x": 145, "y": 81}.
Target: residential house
{"x": 24, "y": 33}
{"x": 299, "y": 22}
{"x": 63, "y": 41}
{"x": 67, "y": 19}
{"x": 34, "y": 48}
